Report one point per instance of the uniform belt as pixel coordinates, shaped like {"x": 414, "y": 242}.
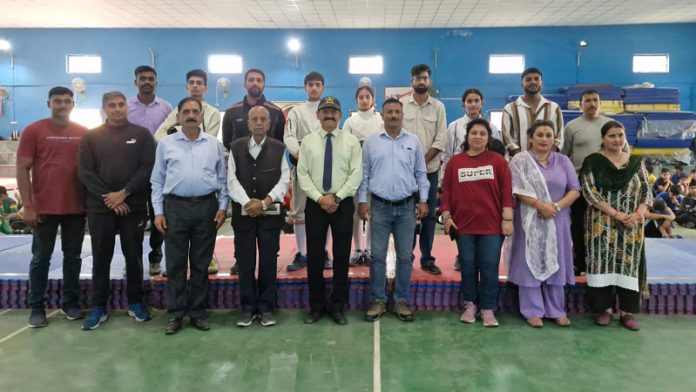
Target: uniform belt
{"x": 192, "y": 199}
{"x": 393, "y": 202}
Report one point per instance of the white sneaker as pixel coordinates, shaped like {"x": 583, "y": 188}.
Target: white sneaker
{"x": 488, "y": 318}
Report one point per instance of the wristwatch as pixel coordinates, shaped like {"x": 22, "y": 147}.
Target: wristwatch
{"x": 338, "y": 199}
{"x": 558, "y": 207}
{"x": 263, "y": 205}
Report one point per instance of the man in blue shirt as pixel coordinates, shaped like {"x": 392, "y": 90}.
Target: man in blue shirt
{"x": 189, "y": 196}
{"x": 395, "y": 174}
{"x": 672, "y": 198}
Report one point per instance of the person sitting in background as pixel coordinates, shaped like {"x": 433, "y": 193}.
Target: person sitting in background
{"x": 651, "y": 177}
{"x": 661, "y": 217}
{"x": 678, "y": 171}
{"x": 683, "y": 184}
{"x": 687, "y": 208}
{"x": 8, "y": 211}
{"x": 672, "y": 198}
{"x": 663, "y": 183}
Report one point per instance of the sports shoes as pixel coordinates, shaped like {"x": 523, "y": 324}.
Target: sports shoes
{"x": 431, "y": 269}
{"x": 488, "y": 318}
{"x": 73, "y": 314}
{"x": 155, "y": 269}
{"x": 366, "y": 257}
{"x": 246, "y": 319}
{"x": 377, "y": 309}
{"x": 356, "y": 257}
{"x": 213, "y": 266}
{"x": 469, "y": 315}
{"x": 299, "y": 262}
{"x": 267, "y": 319}
{"x": 97, "y": 316}
{"x": 37, "y": 318}
{"x": 402, "y": 311}
{"x": 139, "y": 312}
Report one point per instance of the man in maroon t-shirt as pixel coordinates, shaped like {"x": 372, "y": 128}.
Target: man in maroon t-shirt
{"x": 53, "y": 196}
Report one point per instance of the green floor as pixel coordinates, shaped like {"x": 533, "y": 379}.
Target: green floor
{"x": 435, "y": 353}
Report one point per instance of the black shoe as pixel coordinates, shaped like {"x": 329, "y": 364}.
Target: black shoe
{"x": 313, "y": 316}
{"x": 431, "y": 269}
{"x": 200, "y": 323}
{"x": 339, "y": 317}
{"x": 37, "y": 319}
{"x": 234, "y": 270}
{"x": 457, "y": 266}
{"x": 299, "y": 262}
{"x": 173, "y": 327}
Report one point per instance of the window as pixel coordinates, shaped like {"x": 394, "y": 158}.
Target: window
{"x": 225, "y": 64}
{"x": 496, "y": 118}
{"x": 650, "y": 63}
{"x": 83, "y": 63}
{"x": 90, "y": 118}
{"x": 365, "y": 65}
{"x": 506, "y": 63}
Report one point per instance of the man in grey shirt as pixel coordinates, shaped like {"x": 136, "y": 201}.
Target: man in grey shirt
{"x": 582, "y": 137}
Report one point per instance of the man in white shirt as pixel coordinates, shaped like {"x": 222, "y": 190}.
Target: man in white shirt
{"x": 196, "y": 86}
{"x": 302, "y": 120}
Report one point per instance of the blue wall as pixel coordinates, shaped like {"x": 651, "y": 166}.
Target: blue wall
{"x": 462, "y": 60}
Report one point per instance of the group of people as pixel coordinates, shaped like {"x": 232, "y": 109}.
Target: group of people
{"x": 150, "y": 161}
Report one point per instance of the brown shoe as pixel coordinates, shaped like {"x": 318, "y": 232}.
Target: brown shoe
{"x": 376, "y": 311}
{"x": 402, "y": 311}
{"x": 535, "y": 322}
{"x": 563, "y": 322}
{"x": 629, "y": 322}
{"x": 604, "y": 319}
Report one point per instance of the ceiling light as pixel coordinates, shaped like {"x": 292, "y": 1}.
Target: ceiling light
{"x": 5, "y": 44}
{"x": 294, "y": 45}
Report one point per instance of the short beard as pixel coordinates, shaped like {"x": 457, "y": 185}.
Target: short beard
{"x": 420, "y": 90}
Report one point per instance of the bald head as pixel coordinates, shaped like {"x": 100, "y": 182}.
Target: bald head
{"x": 259, "y": 122}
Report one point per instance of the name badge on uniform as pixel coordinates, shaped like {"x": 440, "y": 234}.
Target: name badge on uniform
{"x": 132, "y": 141}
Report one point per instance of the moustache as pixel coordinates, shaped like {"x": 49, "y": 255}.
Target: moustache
{"x": 191, "y": 120}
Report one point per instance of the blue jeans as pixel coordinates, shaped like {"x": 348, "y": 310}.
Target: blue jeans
{"x": 72, "y": 229}
{"x": 427, "y": 227}
{"x": 480, "y": 254}
{"x": 401, "y": 222}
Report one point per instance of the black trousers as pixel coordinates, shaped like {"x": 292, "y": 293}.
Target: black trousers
{"x": 189, "y": 241}
{"x": 103, "y": 228}
{"x": 577, "y": 232}
{"x": 72, "y": 229}
{"x": 258, "y": 295}
{"x": 317, "y": 221}
{"x": 602, "y": 298}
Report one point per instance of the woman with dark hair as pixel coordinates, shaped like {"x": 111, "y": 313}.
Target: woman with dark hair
{"x": 541, "y": 263}
{"x": 477, "y": 203}
{"x": 616, "y": 185}
{"x": 362, "y": 125}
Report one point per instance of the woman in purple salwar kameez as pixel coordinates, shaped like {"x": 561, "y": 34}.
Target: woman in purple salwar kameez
{"x": 541, "y": 260}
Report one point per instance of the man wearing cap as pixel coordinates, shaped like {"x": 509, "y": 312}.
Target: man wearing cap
{"x": 329, "y": 172}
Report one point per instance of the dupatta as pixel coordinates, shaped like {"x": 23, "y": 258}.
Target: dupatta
{"x": 541, "y": 249}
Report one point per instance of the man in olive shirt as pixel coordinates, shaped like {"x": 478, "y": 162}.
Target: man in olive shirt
{"x": 582, "y": 137}
{"x": 329, "y": 172}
